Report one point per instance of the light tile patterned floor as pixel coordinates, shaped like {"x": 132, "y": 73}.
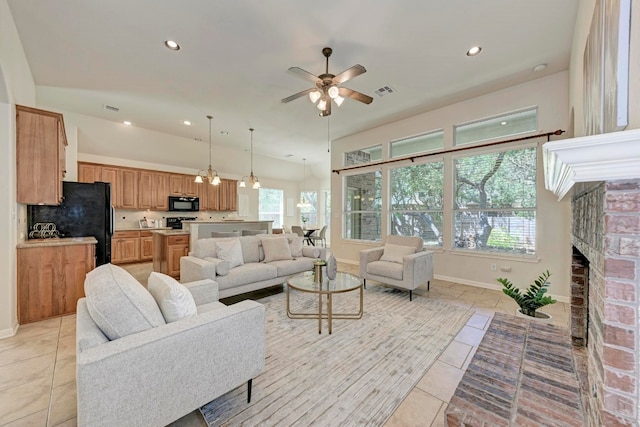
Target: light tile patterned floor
{"x": 37, "y": 365}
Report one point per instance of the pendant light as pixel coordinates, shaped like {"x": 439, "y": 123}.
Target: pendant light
{"x": 253, "y": 180}
{"x": 211, "y": 175}
{"x": 303, "y": 203}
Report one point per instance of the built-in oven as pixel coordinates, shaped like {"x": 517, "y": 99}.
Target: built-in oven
{"x": 176, "y": 222}
{"x": 184, "y": 204}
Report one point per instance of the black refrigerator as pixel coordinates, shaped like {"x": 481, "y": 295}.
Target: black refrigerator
{"x": 85, "y": 211}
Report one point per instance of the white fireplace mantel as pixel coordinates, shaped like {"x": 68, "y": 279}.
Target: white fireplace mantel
{"x": 603, "y": 157}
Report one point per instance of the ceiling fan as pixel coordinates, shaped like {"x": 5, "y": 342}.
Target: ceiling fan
{"x": 327, "y": 86}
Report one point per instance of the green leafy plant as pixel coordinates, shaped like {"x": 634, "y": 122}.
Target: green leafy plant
{"x": 304, "y": 218}
{"x": 533, "y": 298}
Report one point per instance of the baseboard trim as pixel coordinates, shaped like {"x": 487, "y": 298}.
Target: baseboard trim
{"x": 9, "y": 332}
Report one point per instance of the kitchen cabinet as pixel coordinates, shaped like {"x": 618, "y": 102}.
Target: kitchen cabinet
{"x": 228, "y": 195}
{"x": 127, "y": 196}
{"x": 213, "y": 197}
{"x": 190, "y": 186}
{"x": 89, "y": 172}
{"x": 167, "y": 251}
{"x": 176, "y": 185}
{"x": 40, "y": 156}
{"x": 146, "y": 246}
{"x": 51, "y": 279}
{"x": 153, "y": 190}
{"x": 125, "y": 247}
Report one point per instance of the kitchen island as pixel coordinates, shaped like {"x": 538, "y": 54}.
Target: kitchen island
{"x": 168, "y": 247}
{"x": 203, "y": 229}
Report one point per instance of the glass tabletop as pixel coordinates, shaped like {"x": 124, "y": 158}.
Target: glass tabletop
{"x": 343, "y": 282}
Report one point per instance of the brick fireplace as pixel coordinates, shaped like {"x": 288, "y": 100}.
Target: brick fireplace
{"x": 604, "y": 172}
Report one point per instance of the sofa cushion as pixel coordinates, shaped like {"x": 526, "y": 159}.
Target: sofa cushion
{"x": 203, "y": 248}
{"x": 276, "y": 249}
{"x": 118, "y": 303}
{"x": 245, "y": 274}
{"x": 250, "y": 248}
{"x": 175, "y": 301}
{"x": 231, "y": 252}
{"x": 392, "y": 270}
{"x": 222, "y": 267}
{"x": 293, "y": 266}
{"x": 295, "y": 246}
{"x": 394, "y": 253}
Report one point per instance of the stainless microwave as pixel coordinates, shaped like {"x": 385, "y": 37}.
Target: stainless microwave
{"x": 184, "y": 204}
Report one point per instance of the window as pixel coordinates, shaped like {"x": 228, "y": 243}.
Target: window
{"x": 417, "y": 144}
{"x": 502, "y": 126}
{"x": 365, "y": 155}
{"x": 310, "y": 210}
{"x": 416, "y": 202}
{"x": 363, "y": 202}
{"x": 327, "y": 208}
{"x": 270, "y": 205}
{"x": 495, "y": 202}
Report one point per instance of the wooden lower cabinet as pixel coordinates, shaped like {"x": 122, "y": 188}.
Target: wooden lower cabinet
{"x": 146, "y": 246}
{"x": 125, "y": 247}
{"x": 51, "y": 280}
{"x": 167, "y": 251}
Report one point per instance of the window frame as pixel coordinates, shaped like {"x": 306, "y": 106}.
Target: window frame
{"x": 346, "y": 213}
{"x": 281, "y": 206}
{"x": 495, "y": 118}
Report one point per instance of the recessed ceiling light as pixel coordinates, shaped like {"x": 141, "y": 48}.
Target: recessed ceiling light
{"x": 503, "y": 123}
{"x": 187, "y": 123}
{"x": 474, "y": 51}
{"x": 127, "y": 122}
{"x": 224, "y": 132}
{"x": 172, "y": 45}
{"x": 539, "y": 67}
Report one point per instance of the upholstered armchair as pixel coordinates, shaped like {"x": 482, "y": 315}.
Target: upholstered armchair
{"x": 401, "y": 263}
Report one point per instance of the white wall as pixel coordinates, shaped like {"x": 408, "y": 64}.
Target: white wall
{"x": 550, "y": 94}
{"x": 16, "y": 87}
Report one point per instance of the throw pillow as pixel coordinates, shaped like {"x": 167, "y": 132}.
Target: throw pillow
{"x": 231, "y": 252}
{"x": 394, "y": 253}
{"x": 118, "y": 303}
{"x": 332, "y": 267}
{"x": 276, "y": 249}
{"x": 295, "y": 246}
{"x": 222, "y": 267}
{"x": 175, "y": 301}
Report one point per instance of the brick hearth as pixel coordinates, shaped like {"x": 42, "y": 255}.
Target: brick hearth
{"x": 523, "y": 374}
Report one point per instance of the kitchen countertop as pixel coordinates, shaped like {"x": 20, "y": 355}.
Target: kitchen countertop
{"x": 141, "y": 229}
{"x": 63, "y": 241}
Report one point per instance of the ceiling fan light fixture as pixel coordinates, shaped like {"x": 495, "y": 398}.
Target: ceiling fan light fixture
{"x": 333, "y": 92}
{"x": 322, "y": 104}
{"x": 315, "y": 95}
{"x": 338, "y": 100}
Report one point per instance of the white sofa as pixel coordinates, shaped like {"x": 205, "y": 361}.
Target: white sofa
{"x": 266, "y": 261}
{"x": 143, "y": 359}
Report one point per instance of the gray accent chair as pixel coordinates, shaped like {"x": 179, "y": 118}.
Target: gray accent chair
{"x": 321, "y": 237}
{"x": 138, "y": 370}
{"x": 414, "y": 270}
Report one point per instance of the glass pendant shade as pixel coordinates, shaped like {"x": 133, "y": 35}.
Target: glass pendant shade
{"x": 198, "y": 179}
{"x": 242, "y": 184}
{"x": 338, "y": 100}
{"x": 322, "y": 104}
{"x": 315, "y": 95}
{"x": 333, "y": 92}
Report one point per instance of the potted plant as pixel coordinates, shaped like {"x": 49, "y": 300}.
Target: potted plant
{"x": 532, "y": 298}
{"x": 304, "y": 220}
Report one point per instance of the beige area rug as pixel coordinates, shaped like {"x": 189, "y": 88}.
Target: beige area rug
{"x": 357, "y": 376}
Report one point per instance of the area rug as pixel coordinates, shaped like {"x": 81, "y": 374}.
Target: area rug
{"x": 358, "y": 375}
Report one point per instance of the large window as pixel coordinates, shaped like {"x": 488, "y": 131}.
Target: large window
{"x": 416, "y": 202}
{"x": 310, "y": 209}
{"x": 363, "y": 203}
{"x": 270, "y": 205}
{"x": 510, "y": 124}
{"x": 495, "y": 202}
{"x": 327, "y": 208}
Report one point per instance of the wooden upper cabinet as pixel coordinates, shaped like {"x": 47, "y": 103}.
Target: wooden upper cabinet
{"x": 190, "y": 187}
{"x": 213, "y": 197}
{"x": 228, "y": 195}
{"x": 176, "y": 185}
{"x": 110, "y": 174}
{"x": 145, "y": 184}
{"x": 88, "y": 172}
{"x": 160, "y": 191}
{"x": 40, "y": 156}
{"x": 128, "y": 188}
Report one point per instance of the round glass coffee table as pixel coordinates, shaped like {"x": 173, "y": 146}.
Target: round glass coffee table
{"x": 304, "y": 282}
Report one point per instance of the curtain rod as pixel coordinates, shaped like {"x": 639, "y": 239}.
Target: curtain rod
{"x": 448, "y": 150}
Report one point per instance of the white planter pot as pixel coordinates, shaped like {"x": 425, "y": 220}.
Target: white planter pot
{"x": 540, "y": 316}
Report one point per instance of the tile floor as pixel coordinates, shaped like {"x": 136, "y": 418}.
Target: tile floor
{"x": 37, "y": 365}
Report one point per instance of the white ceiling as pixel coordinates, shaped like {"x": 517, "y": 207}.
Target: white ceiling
{"x": 235, "y": 54}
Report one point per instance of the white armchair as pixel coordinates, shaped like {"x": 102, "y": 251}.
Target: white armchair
{"x": 401, "y": 262}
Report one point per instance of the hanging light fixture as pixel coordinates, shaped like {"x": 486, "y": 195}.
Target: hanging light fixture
{"x": 303, "y": 203}
{"x": 211, "y": 175}
{"x": 253, "y": 180}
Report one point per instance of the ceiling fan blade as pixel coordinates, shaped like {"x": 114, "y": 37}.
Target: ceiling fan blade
{"x": 305, "y": 74}
{"x": 349, "y": 73}
{"x": 298, "y": 95}
{"x": 349, "y": 93}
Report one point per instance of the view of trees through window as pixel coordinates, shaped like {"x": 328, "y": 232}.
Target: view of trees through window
{"x": 310, "y": 210}
{"x": 270, "y": 205}
{"x": 363, "y": 205}
{"x": 495, "y": 202}
{"x": 416, "y": 202}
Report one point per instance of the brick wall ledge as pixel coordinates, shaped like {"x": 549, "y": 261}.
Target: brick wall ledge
{"x": 603, "y": 157}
